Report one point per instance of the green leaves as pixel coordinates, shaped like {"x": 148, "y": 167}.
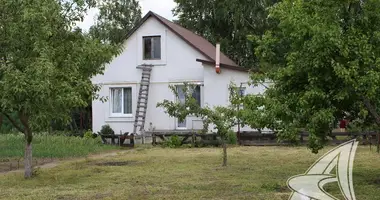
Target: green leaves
{"x": 227, "y": 22}
{"x": 223, "y": 118}
{"x": 116, "y": 18}
{"x": 46, "y": 67}
{"x": 322, "y": 58}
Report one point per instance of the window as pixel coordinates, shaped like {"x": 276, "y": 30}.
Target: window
{"x": 181, "y": 98}
{"x": 196, "y": 94}
{"x": 152, "y": 48}
{"x": 121, "y": 101}
{"x": 241, "y": 91}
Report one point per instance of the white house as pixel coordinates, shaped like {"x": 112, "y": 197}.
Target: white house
{"x": 177, "y": 56}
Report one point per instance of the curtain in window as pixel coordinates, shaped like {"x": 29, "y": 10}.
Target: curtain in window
{"x": 116, "y": 95}
{"x": 156, "y": 47}
{"x": 181, "y": 99}
{"x": 147, "y": 48}
{"x": 127, "y": 100}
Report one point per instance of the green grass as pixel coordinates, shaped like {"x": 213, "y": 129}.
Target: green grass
{"x": 195, "y": 173}
{"x": 50, "y": 146}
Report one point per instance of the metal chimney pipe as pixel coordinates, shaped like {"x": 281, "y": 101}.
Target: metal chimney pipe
{"x": 217, "y": 58}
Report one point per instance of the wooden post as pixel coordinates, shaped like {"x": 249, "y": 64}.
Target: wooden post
{"x": 193, "y": 139}
{"x": 132, "y": 140}
{"x": 153, "y": 139}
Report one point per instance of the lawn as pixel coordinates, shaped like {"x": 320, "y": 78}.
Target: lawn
{"x": 46, "y": 148}
{"x": 194, "y": 173}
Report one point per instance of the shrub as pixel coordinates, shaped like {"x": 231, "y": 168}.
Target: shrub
{"x": 88, "y": 134}
{"x": 107, "y": 130}
{"x": 173, "y": 142}
{"x": 231, "y": 137}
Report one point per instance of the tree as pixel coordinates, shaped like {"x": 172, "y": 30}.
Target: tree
{"x": 223, "y": 118}
{"x": 228, "y": 22}
{"x": 45, "y": 65}
{"x": 115, "y": 19}
{"x": 323, "y": 59}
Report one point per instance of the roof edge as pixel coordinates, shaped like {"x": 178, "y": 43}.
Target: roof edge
{"x": 237, "y": 68}
{"x": 152, "y": 14}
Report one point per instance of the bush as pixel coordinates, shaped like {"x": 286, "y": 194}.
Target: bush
{"x": 107, "y": 130}
{"x": 88, "y": 134}
{"x": 231, "y": 137}
{"x": 173, "y": 142}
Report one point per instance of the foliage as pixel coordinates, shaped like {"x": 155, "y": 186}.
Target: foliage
{"x": 51, "y": 146}
{"x": 45, "y": 64}
{"x": 322, "y": 59}
{"x": 173, "y": 142}
{"x": 231, "y": 137}
{"x": 115, "y": 19}
{"x": 222, "y": 118}
{"x": 88, "y": 134}
{"x": 107, "y": 130}
{"x": 227, "y": 22}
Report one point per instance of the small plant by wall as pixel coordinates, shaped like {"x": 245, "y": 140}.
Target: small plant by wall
{"x": 107, "y": 130}
{"x": 173, "y": 142}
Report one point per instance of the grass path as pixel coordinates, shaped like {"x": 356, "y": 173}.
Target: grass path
{"x": 55, "y": 163}
{"x": 157, "y": 173}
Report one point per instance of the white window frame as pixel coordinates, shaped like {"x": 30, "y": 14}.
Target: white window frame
{"x": 152, "y": 47}
{"x": 201, "y": 104}
{"x": 112, "y": 114}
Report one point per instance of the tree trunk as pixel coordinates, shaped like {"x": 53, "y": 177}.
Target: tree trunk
{"x": 224, "y": 154}
{"x": 28, "y": 145}
{"x": 28, "y": 160}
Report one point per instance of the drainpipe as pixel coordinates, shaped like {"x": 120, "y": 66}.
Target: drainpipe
{"x": 217, "y": 59}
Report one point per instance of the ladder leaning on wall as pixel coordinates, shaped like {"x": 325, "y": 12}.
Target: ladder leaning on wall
{"x": 142, "y": 101}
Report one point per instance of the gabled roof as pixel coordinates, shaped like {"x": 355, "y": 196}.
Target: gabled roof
{"x": 197, "y": 42}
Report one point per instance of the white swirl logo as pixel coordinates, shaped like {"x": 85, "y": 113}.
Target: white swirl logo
{"x": 309, "y": 186}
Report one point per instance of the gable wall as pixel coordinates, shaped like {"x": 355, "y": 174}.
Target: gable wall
{"x": 178, "y": 65}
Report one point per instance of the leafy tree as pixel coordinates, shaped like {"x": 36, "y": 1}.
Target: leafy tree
{"x": 323, "y": 59}
{"x": 45, "y": 64}
{"x": 115, "y": 19}
{"x": 222, "y": 118}
{"x": 227, "y": 22}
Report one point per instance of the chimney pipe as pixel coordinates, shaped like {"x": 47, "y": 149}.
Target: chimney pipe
{"x": 217, "y": 59}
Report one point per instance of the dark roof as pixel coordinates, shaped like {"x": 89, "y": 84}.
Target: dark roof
{"x": 199, "y": 43}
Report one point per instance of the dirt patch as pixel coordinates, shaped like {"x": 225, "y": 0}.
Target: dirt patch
{"x": 17, "y": 165}
{"x": 13, "y": 164}
{"x": 116, "y": 163}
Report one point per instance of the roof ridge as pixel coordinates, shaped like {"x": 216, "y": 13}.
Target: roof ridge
{"x": 223, "y": 57}
{"x": 201, "y": 44}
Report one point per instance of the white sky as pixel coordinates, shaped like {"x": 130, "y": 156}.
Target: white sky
{"x": 161, "y": 7}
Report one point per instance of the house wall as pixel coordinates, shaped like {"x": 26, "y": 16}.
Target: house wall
{"x": 216, "y": 87}
{"x": 178, "y": 64}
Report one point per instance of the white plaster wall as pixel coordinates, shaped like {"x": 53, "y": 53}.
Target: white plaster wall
{"x": 216, "y": 87}
{"x": 178, "y": 65}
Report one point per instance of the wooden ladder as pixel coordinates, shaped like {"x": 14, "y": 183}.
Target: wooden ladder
{"x": 142, "y": 100}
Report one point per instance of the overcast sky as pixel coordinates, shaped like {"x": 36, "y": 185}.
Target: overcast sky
{"x": 161, "y": 7}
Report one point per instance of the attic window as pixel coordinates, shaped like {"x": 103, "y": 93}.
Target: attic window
{"x": 152, "y": 47}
